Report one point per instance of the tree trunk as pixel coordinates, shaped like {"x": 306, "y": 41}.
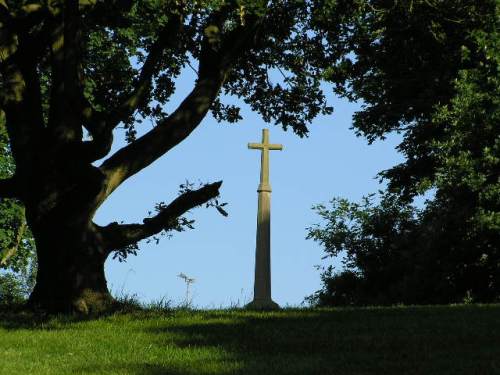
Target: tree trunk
{"x": 70, "y": 275}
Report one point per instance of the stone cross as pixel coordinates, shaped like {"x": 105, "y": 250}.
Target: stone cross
{"x": 262, "y": 287}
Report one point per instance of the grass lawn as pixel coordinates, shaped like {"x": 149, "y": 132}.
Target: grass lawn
{"x": 395, "y": 340}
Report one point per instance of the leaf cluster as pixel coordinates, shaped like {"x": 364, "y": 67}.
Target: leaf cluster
{"x": 279, "y": 77}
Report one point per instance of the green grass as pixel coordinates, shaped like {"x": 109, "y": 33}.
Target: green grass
{"x": 396, "y": 340}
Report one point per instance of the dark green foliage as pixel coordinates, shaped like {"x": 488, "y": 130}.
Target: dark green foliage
{"x": 395, "y": 253}
{"x": 17, "y": 253}
{"x": 284, "y": 44}
{"x": 16, "y": 287}
{"x": 403, "y": 59}
{"x": 11, "y": 291}
{"x": 448, "y": 251}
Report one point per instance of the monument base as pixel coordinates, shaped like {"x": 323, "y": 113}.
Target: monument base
{"x": 262, "y": 304}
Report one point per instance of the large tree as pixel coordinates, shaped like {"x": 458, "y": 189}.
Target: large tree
{"x": 428, "y": 70}
{"x": 72, "y": 71}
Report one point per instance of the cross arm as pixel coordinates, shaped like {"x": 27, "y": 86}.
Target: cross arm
{"x": 256, "y": 146}
{"x": 273, "y": 146}
{"x": 260, "y": 146}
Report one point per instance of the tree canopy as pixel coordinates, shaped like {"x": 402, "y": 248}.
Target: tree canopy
{"x": 432, "y": 73}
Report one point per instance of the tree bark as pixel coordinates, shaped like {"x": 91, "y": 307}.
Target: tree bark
{"x": 70, "y": 275}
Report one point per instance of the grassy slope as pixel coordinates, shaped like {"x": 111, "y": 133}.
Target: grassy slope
{"x": 402, "y": 340}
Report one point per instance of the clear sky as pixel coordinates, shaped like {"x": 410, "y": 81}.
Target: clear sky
{"x": 219, "y": 253}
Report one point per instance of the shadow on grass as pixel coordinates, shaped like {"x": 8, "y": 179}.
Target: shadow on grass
{"x": 14, "y": 317}
{"x": 19, "y": 316}
{"x": 429, "y": 340}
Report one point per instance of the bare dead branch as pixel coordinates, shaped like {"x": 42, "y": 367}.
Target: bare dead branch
{"x": 118, "y": 236}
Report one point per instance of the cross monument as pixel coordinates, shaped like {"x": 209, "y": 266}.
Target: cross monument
{"x": 262, "y": 287}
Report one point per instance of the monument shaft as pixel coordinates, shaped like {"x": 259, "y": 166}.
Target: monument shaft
{"x": 262, "y": 286}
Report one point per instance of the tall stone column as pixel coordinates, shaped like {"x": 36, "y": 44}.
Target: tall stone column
{"x": 262, "y": 287}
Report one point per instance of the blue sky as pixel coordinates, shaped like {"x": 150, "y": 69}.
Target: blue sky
{"x": 219, "y": 252}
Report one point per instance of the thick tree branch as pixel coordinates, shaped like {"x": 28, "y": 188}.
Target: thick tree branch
{"x": 4, "y": 12}
{"x": 148, "y": 148}
{"x": 117, "y": 236}
{"x": 20, "y": 97}
{"x": 35, "y": 42}
{"x": 168, "y": 38}
{"x": 72, "y": 57}
{"x": 21, "y": 102}
{"x": 21, "y": 22}
{"x": 8, "y": 40}
{"x": 65, "y": 62}
{"x": 101, "y": 125}
{"x": 215, "y": 63}
{"x": 28, "y": 61}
